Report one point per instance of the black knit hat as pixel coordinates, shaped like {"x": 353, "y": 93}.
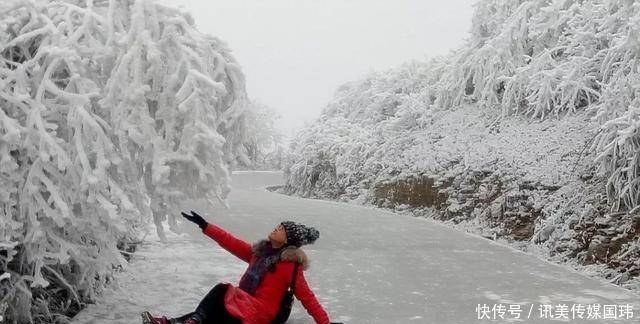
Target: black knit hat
{"x": 298, "y": 234}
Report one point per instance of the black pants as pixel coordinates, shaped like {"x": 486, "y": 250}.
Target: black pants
{"x": 211, "y": 309}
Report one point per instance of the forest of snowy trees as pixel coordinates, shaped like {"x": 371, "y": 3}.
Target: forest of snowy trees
{"x": 529, "y": 131}
{"x": 114, "y": 113}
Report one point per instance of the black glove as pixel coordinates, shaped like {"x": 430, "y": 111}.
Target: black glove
{"x": 194, "y": 217}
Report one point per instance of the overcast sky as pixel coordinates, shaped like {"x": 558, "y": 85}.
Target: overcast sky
{"x": 295, "y": 53}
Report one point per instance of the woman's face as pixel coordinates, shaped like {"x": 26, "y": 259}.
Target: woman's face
{"x": 278, "y": 235}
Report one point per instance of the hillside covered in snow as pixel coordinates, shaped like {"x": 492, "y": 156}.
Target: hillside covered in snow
{"x": 529, "y": 133}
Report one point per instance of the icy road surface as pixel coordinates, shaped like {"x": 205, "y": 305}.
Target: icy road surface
{"x": 369, "y": 266}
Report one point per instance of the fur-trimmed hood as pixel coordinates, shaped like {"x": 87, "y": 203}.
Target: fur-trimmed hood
{"x": 289, "y": 253}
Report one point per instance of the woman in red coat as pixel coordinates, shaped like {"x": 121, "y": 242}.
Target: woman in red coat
{"x": 262, "y": 287}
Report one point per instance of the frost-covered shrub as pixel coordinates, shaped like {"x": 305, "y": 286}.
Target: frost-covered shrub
{"x": 318, "y": 167}
{"x": 112, "y": 113}
{"x": 549, "y": 57}
{"x": 618, "y": 143}
{"x": 355, "y": 131}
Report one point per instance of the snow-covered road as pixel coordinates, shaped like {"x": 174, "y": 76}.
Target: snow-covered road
{"x": 369, "y": 266}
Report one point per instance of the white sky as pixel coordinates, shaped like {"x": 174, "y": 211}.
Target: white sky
{"x": 295, "y": 53}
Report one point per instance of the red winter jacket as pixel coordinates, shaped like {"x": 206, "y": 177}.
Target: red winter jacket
{"x": 263, "y": 306}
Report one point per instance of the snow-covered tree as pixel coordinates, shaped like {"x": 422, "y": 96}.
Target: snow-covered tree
{"x": 263, "y": 144}
{"x": 113, "y": 111}
{"x": 361, "y": 133}
{"x": 545, "y": 58}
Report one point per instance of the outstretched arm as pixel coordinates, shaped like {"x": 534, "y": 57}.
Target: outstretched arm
{"x": 309, "y": 300}
{"x": 227, "y": 241}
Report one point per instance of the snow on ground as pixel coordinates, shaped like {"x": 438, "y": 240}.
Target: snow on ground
{"x": 546, "y": 151}
{"x": 369, "y": 266}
